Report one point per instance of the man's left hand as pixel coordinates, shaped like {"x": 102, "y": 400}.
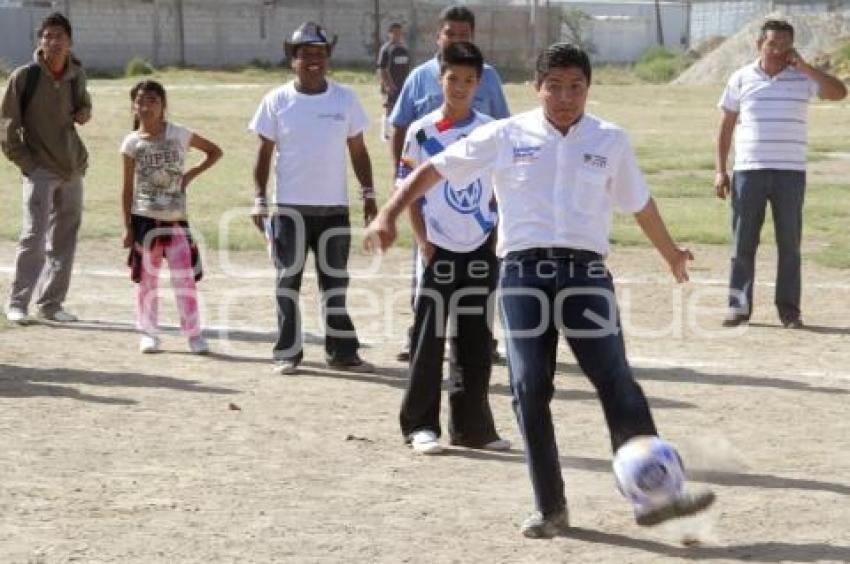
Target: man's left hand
{"x": 82, "y": 116}
{"x": 370, "y": 210}
{"x": 795, "y": 60}
{"x": 679, "y": 264}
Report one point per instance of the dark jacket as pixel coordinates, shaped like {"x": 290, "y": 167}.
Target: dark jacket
{"x": 46, "y": 137}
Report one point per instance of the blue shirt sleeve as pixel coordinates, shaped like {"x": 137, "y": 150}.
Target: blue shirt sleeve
{"x": 403, "y": 113}
{"x": 498, "y": 103}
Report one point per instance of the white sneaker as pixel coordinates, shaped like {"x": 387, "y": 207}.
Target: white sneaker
{"x": 149, "y": 344}
{"x": 60, "y": 316}
{"x": 16, "y": 315}
{"x": 198, "y": 345}
{"x": 498, "y": 444}
{"x": 286, "y": 367}
{"x": 425, "y": 442}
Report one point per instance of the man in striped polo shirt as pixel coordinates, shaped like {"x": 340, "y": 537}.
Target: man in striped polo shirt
{"x": 768, "y": 101}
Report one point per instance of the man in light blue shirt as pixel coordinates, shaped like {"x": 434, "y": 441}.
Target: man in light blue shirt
{"x": 422, "y": 94}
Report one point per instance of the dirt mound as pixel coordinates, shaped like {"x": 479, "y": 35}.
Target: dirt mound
{"x": 815, "y": 35}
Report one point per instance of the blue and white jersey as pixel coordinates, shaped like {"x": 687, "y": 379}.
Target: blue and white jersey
{"x": 459, "y": 220}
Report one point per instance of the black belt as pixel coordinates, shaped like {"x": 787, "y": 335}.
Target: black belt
{"x": 554, "y": 253}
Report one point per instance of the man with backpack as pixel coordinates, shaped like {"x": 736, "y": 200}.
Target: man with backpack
{"x": 43, "y": 102}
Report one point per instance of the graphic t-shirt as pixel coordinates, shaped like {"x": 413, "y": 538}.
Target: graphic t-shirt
{"x": 158, "y": 191}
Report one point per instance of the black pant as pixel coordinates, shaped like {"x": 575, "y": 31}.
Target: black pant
{"x": 456, "y": 284}
{"x": 293, "y": 234}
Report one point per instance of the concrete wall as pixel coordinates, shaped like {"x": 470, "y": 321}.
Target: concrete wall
{"x": 108, "y": 33}
{"x": 621, "y": 32}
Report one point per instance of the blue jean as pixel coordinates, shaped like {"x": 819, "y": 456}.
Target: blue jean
{"x": 752, "y": 190}
{"x": 329, "y": 238}
{"x": 544, "y": 292}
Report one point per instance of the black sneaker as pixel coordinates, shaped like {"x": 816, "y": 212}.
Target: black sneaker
{"x": 353, "y": 364}
{"x": 792, "y": 323}
{"x": 404, "y": 354}
{"x": 683, "y": 506}
{"x": 735, "y": 319}
{"x": 538, "y": 527}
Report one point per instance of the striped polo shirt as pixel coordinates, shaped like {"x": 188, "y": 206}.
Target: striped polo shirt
{"x": 772, "y": 130}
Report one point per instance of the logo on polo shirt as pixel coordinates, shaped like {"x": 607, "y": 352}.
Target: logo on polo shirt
{"x": 526, "y": 154}
{"x": 597, "y": 161}
{"x": 338, "y": 116}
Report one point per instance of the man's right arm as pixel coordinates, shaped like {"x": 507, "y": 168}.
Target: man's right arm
{"x": 11, "y": 123}
{"x": 722, "y": 184}
{"x": 261, "y": 179}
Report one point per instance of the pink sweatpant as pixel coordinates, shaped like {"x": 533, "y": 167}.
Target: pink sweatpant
{"x": 179, "y": 257}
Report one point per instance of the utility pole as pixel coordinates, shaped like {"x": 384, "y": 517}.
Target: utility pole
{"x": 377, "y": 38}
{"x": 659, "y": 32}
{"x": 181, "y": 33}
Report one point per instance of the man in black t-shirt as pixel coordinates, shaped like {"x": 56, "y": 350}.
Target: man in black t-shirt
{"x": 393, "y": 66}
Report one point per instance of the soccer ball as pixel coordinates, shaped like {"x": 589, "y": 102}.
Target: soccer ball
{"x": 649, "y": 471}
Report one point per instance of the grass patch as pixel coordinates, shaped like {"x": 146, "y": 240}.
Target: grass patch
{"x": 659, "y": 65}
{"x": 138, "y": 67}
{"x": 672, "y": 128}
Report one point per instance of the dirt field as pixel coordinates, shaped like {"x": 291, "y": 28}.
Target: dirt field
{"x": 109, "y": 456}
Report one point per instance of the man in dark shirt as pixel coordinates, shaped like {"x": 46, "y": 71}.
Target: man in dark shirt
{"x": 393, "y": 66}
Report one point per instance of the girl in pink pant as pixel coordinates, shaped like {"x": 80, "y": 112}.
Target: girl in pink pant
{"x": 154, "y": 210}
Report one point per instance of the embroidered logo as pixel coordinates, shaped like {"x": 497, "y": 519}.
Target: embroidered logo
{"x": 526, "y": 154}
{"x": 338, "y": 116}
{"x": 597, "y": 161}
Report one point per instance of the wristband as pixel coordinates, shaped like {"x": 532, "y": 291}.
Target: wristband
{"x": 367, "y": 193}
{"x": 260, "y": 205}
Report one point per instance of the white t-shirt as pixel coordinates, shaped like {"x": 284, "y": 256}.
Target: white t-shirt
{"x": 772, "y": 112}
{"x": 459, "y": 220}
{"x": 158, "y": 192}
{"x": 553, "y": 190}
{"x": 310, "y": 133}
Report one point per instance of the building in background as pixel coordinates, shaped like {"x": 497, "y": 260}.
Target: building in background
{"x": 219, "y": 33}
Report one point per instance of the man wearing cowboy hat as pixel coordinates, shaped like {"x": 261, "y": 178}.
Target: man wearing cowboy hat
{"x": 308, "y": 123}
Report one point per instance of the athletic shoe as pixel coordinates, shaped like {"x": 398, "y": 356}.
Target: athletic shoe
{"x": 198, "y": 345}
{"x": 424, "y": 441}
{"x": 733, "y": 319}
{"x": 16, "y": 315}
{"x": 354, "y": 364}
{"x": 682, "y": 506}
{"x": 404, "y": 354}
{"x": 286, "y": 367}
{"x": 792, "y": 323}
{"x": 149, "y": 344}
{"x": 60, "y": 316}
{"x": 498, "y": 444}
{"x": 536, "y": 526}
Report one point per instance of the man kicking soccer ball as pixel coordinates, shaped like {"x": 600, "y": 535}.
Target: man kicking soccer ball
{"x": 558, "y": 172}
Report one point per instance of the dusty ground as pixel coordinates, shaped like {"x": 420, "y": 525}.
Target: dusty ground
{"x": 108, "y": 456}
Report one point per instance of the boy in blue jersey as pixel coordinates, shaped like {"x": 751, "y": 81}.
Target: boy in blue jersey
{"x": 454, "y": 235}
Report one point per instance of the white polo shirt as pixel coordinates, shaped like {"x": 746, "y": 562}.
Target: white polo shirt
{"x": 459, "y": 220}
{"x": 553, "y": 190}
{"x": 772, "y": 129}
{"x": 310, "y": 134}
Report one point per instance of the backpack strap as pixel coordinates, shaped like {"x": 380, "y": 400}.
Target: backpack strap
{"x": 33, "y": 73}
